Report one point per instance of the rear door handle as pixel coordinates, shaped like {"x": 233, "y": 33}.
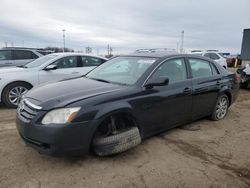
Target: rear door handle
{"x": 75, "y": 73}
{"x": 187, "y": 90}
{"x": 218, "y": 83}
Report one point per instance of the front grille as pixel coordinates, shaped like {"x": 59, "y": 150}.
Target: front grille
{"x": 26, "y": 112}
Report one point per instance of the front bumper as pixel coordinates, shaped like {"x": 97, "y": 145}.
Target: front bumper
{"x": 58, "y": 140}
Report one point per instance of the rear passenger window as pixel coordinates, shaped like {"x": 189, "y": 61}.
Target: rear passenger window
{"x": 214, "y": 56}
{"x": 214, "y": 69}
{"x": 23, "y": 54}
{"x": 91, "y": 61}
{"x": 5, "y": 55}
{"x": 200, "y": 68}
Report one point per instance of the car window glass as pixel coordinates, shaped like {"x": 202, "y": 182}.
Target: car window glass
{"x": 214, "y": 56}
{"x": 22, "y": 54}
{"x": 122, "y": 66}
{"x": 200, "y": 68}
{"x": 5, "y": 55}
{"x": 207, "y": 55}
{"x": 90, "y": 61}
{"x": 124, "y": 70}
{"x": 214, "y": 69}
{"x": 66, "y": 62}
{"x": 174, "y": 69}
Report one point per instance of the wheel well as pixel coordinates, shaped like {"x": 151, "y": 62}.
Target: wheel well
{"x": 228, "y": 94}
{"x": 14, "y": 83}
{"x": 125, "y": 120}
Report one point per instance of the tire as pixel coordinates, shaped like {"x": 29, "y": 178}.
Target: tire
{"x": 12, "y": 88}
{"x": 220, "y": 108}
{"x": 122, "y": 141}
{"x": 244, "y": 85}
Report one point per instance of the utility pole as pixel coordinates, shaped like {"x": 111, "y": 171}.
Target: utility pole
{"x": 63, "y": 39}
{"x": 182, "y": 42}
{"x": 108, "y": 50}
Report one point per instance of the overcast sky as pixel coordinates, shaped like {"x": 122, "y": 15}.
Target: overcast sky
{"x": 125, "y": 24}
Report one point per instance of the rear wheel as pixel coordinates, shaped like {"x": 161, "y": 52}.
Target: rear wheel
{"x": 116, "y": 134}
{"x": 221, "y": 108}
{"x": 13, "y": 92}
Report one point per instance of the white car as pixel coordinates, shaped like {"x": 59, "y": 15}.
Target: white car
{"x": 16, "y": 81}
{"x": 17, "y": 56}
{"x": 214, "y": 55}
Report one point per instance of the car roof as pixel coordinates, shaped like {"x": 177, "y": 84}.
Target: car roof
{"x": 61, "y": 54}
{"x": 166, "y": 55}
{"x": 153, "y": 54}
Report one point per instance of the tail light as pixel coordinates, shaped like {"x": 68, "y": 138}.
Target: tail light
{"x": 237, "y": 78}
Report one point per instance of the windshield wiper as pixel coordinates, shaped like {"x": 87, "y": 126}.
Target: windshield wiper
{"x": 100, "y": 80}
{"x": 22, "y": 66}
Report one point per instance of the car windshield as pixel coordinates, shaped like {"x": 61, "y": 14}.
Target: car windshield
{"x": 38, "y": 62}
{"x": 122, "y": 70}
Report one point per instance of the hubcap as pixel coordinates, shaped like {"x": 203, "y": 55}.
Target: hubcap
{"x": 221, "y": 108}
{"x": 16, "y": 93}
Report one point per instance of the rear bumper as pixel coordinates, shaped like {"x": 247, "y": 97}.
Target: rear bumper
{"x": 243, "y": 76}
{"x": 58, "y": 140}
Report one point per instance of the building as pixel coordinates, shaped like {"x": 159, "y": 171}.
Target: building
{"x": 245, "y": 48}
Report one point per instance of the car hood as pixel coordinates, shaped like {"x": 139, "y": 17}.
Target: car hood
{"x": 247, "y": 70}
{"x": 62, "y": 93}
{"x": 11, "y": 69}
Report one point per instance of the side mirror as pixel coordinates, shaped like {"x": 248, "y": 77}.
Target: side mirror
{"x": 157, "y": 81}
{"x": 50, "y": 67}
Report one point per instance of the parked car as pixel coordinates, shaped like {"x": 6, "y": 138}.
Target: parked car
{"x": 245, "y": 76}
{"x": 214, "y": 55}
{"x": 17, "y": 56}
{"x": 124, "y": 101}
{"x": 16, "y": 81}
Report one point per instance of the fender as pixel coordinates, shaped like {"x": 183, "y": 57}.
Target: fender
{"x": 114, "y": 107}
{"x": 226, "y": 90}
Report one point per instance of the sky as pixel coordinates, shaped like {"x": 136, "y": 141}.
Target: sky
{"x": 126, "y": 25}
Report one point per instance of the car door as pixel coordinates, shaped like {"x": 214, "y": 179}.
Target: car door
{"x": 66, "y": 67}
{"x": 88, "y": 63}
{"x": 5, "y": 58}
{"x": 206, "y": 84}
{"x": 167, "y": 106}
{"x": 22, "y": 57}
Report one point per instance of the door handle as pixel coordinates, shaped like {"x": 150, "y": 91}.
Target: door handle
{"x": 75, "y": 73}
{"x": 187, "y": 90}
{"x": 218, "y": 83}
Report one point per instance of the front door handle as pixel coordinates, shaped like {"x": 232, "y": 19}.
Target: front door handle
{"x": 75, "y": 73}
{"x": 187, "y": 90}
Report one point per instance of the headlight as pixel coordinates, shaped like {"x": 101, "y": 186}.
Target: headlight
{"x": 60, "y": 116}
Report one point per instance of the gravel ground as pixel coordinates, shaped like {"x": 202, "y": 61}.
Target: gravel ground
{"x": 201, "y": 154}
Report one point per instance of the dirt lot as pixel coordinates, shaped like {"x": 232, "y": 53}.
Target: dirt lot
{"x": 201, "y": 154}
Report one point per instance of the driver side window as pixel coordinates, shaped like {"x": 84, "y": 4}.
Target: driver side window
{"x": 174, "y": 69}
{"x": 66, "y": 62}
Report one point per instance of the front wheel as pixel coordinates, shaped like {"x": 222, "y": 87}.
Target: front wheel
{"x": 12, "y": 93}
{"x": 221, "y": 108}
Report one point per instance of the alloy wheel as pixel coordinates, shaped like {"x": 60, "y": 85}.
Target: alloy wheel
{"x": 16, "y": 94}
{"x": 221, "y": 108}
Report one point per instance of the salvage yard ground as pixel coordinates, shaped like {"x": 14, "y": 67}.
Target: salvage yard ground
{"x": 201, "y": 154}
